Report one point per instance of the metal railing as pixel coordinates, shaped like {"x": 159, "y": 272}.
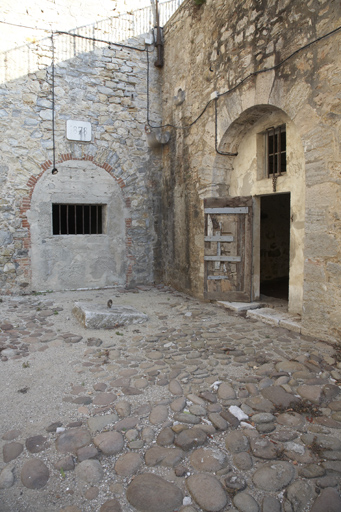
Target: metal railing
{"x": 31, "y": 57}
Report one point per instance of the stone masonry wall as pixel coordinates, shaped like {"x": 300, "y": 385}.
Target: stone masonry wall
{"x": 97, "y": 83}
{"x": 215, "y": 47}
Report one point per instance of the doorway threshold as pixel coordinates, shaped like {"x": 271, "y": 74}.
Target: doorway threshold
{"x": 268, "y": 310}
{"x": 240, "y": 307}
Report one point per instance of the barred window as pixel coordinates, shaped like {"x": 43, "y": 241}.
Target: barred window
{"x": 276, "y": 146}
{"x": 77, "y": 219}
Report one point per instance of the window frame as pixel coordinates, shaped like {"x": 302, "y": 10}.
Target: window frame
{"x": 64, "y": 219}
{"x": 278, "y": 153}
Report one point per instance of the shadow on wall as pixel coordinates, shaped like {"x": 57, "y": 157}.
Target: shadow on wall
{"x": 29, "y": 58}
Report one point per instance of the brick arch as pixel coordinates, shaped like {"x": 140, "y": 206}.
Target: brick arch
{"x": 24, "y": 263}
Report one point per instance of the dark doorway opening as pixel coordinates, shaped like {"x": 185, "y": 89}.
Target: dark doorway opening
{"x": 275, "y": 246}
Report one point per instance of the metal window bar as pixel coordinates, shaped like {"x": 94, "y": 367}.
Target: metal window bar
{"x": 268, "y": 153}
{"x": 77, "y": 219}
{"x": 275, "y": 151}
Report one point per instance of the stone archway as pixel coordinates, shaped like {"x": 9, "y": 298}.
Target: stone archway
{"x": 71, "y": 261}
{"x": 245, "y": 177}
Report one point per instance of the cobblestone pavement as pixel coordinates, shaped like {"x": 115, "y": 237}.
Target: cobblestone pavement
{"x": 195, "y": 410}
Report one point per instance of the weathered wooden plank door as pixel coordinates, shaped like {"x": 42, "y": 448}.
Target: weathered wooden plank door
{"x": 228, "y": 248}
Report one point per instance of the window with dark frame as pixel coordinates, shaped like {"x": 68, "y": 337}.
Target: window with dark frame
{"x": 276, "y": 146}
{"x": 77, "y": 219}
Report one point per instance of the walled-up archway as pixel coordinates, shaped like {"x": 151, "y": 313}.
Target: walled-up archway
{"x": 247, "y": 175}
{"x": 80, "y": 241}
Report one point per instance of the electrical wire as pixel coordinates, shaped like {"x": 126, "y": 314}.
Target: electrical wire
{"x": 54, "y": 170}
{"x": 216, "y": 132}
{"x": 148, "y": 80}
{"x": 169, "y": 125}
{"x": 276, "y": 66}
{"x": 229, "y": 91}
{"x": 59, "y": 32}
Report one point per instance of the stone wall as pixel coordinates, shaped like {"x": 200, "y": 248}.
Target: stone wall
{"x": 107, "y": 87}
{"x": 238, "y": 48}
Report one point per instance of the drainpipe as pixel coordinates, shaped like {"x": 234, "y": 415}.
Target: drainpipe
{"x": 159, "y": 45}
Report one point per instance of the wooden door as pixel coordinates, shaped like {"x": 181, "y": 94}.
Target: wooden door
{"x": 228, "y": 249}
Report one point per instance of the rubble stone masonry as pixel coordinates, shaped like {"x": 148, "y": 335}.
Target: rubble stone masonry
{"x": 240, "y": 48}
{"x": 260, "y": 63}
{"x": 106, "y": 86}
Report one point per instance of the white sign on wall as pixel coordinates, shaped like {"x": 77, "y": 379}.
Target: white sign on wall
{"x": 78, "y": 130}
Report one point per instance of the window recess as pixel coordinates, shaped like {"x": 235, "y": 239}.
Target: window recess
{"x": 77, "y": 219}
{"x": 276, "y": 146}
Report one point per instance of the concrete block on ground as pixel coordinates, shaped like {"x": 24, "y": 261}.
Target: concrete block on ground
{"x": 93, "y": 316}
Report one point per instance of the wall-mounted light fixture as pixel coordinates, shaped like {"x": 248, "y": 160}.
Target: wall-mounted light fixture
{"x": 155, "y": 138}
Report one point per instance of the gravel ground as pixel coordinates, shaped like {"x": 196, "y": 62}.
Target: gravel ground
{"x": 50, "y": 365}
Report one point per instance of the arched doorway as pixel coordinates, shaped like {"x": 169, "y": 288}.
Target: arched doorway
{"x": 276, "y": 194}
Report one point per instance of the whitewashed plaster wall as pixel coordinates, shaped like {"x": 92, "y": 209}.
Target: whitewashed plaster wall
{"x": 247, "y": 178}
{"x": 62, "y": 262}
